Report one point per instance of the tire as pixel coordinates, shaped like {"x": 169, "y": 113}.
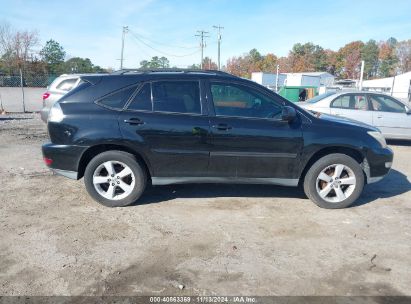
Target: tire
{"x": 123, "y": 186}
{"x": 325, "y": 190}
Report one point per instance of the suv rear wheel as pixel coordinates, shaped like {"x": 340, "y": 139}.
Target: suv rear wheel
{"x": 334, "y": 181}
{"x": 115, "y": 178}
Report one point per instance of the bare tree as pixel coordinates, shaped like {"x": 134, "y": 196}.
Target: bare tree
{"x": 6, "y": 38}
{"x": 16, "y": 47}
{"x": 403, "y": 50}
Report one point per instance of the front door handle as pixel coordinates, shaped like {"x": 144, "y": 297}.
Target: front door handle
{"x": 222, "y": 127}
{"x": 134, "y": 121}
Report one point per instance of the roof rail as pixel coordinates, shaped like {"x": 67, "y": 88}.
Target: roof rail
{"x": 171, "y": 70}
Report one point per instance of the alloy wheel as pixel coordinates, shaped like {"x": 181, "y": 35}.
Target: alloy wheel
{"x": 113, "y": 180}
{"x": 336, "y": 183}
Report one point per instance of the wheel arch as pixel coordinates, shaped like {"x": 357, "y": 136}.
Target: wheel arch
{"x": 93, "y": 151}
{"x": 349, "y": 151}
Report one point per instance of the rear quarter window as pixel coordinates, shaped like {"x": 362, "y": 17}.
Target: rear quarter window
{"x": 117, "y": 100}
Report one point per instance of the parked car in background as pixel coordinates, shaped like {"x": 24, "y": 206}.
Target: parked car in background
{"x": 57, "y": 89}
{"x": 387, "y": 113}
{"x": 128, "y": 129}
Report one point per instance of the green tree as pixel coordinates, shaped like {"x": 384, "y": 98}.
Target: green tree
{"x": 392, "y": 42}
{"x": 53, "y": 55}
{"x": 308, "y": 57}
{"x": 348, "y": 60}
{"x": 209, "y": 64}
{"x": 155, "y": 63}
{"x": 269, "y": 63}
{"x": 253, "y": 61}
{"x": 331, "y": 61}
{"x": 255, "y": 56}
{"x": 388, "y": 59}
{"x": 194, "y": 66}
{"x": 369, "y": 53}
{"x": 79, "y": 65}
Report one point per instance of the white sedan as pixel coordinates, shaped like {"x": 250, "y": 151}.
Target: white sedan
{"x": 390, "y": 115}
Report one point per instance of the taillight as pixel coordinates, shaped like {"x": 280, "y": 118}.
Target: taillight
{"x": 56, "y": 113}
{"x": 46, "y": 95}
{"x": 48, "y": 161}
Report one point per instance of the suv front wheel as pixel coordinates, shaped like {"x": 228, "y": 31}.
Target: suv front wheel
{"x": 115, "y": 179}
{"x": 334, "y": 181}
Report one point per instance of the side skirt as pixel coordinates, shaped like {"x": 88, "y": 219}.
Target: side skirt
{"x": 158, "y": 181}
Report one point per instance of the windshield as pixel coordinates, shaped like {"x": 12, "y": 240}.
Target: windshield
{"x": 319, "y": 97}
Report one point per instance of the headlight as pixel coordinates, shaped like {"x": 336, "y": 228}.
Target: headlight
{"x": 379, "y": 137}
{"x": 56, "y": 114}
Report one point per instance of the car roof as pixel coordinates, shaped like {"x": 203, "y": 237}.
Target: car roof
{"x": 171, "y": 72}
{"x": 132, "y": 75}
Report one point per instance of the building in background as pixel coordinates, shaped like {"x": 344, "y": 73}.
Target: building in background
{"x": 268, "y": 79}
{"x": 317, "y": 79}
{"x": 296, "y": 86}
{"x": 310, "y": 79}
{"x": 398, "y": 86}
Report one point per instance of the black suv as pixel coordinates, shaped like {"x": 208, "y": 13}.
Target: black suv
{"x": 125, "y": 130}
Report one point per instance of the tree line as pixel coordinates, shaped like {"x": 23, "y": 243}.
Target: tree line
{"x": 382, "y": 59}
{"x": 19, "y": 52}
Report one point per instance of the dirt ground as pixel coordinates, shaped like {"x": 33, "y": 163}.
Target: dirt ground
{"x": 210, "y": 239}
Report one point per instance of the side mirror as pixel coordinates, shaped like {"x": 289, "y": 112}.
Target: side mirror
{"x": 407, "y": 110}
{"x": 288, "y": 114}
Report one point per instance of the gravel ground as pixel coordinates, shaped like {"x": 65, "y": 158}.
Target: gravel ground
{"x": 212, "y": 239}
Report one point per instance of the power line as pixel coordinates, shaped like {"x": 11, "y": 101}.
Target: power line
{"x": 202, "y": 34}
{"x": 166, "y": 44}
{"x": 159, "y": 51}
{"x": 219, "y": 28}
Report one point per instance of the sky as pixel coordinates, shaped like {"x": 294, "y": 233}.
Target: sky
{"x": 93, "y": 28}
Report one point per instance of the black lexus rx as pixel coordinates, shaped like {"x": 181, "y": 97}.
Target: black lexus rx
{"x": 125, "y": 130}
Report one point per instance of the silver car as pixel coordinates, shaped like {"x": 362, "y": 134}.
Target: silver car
{"x": 390, "y": 115}
{"x": 57, "y": 89}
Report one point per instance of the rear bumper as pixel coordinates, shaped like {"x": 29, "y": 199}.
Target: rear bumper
{"x": 64, "y": 159}
{"x": 44, "y": 114}
{"x": 65, "y": 173}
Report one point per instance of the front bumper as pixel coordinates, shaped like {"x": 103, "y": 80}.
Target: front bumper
{"x": 377, "y": 164}
{"x": 64, "y": 159}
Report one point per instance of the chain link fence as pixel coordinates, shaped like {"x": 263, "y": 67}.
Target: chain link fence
{"x": 23, "y": 93}
{"x": 31, "y": 81}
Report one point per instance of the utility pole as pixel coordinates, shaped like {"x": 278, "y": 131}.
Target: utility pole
{"x": 125, "y": 31}
{"x": 276, "y": 78}
{"x": 219, "y": 28}
{"x": 22, "y": 90}
{"x": 202, "y": 34}
{"x": 361, "y": 75}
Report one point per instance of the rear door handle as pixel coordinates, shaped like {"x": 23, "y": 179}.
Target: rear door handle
{"x": 222, "y": 127}
{"x": 134, "y": 121}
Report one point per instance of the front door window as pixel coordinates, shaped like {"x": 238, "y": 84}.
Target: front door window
{"x": 241, "y": 101}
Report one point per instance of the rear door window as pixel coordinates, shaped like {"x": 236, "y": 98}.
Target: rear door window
{"x": 351, "y": 102}
{"x": 142, "y": 100}
{"x": 176, "y": 96}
